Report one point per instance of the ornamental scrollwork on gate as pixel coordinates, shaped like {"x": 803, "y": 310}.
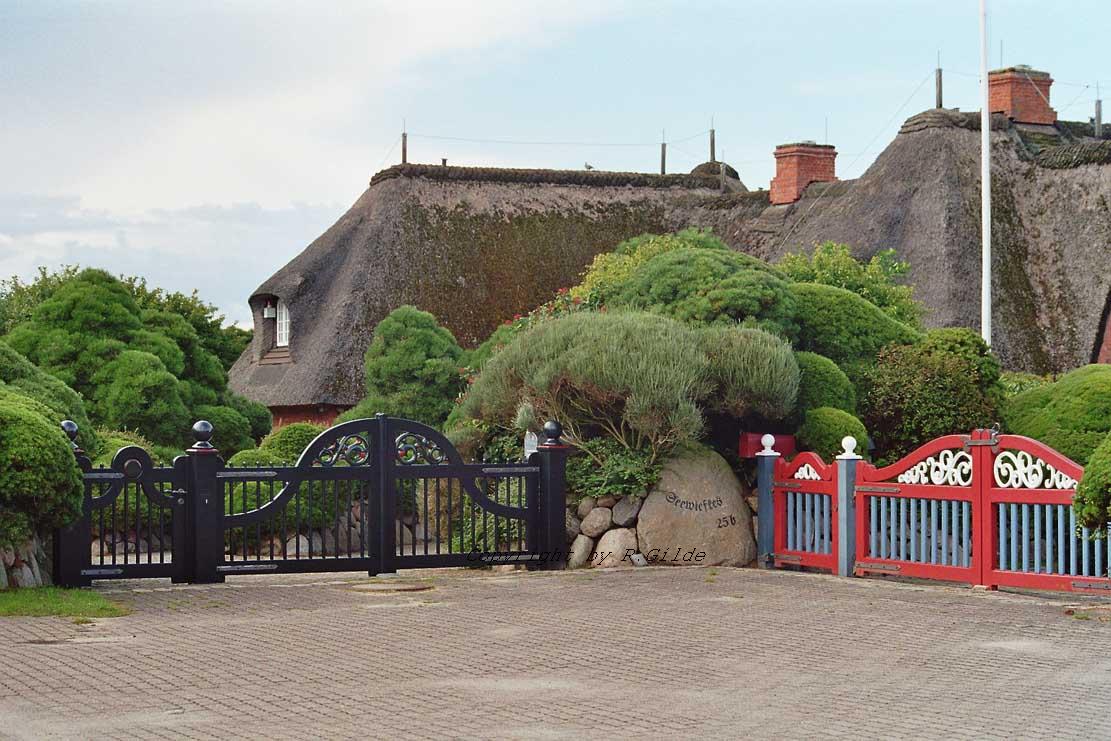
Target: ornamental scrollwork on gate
{"x": 414, "y": 449}
{"x": 1021, "y": 470}
{"x": 806, "y": 472}
{"x": 947, "y": 468}
{"x": 354, "y": 450}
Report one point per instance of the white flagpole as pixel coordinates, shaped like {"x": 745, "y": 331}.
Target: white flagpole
{"x": 985, "y": 181}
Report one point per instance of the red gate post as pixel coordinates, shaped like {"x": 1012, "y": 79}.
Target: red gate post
{"x": 765, "y": 503}
{"x": 845, "y": 505}
{"x": 204, "y": 510}
{"x": 985, "y": 526}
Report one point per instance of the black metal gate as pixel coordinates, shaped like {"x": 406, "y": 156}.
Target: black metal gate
{"x": 370, "y": 495}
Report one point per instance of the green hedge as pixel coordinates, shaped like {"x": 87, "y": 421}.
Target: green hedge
{"x": 1073, "y": 415}
{"x": 290, "y": 441}
{"x": 1093, "y": 494}
{"x": 710, "y": 286}
{"x": 915, "y": 394}
{"x": 823, "y": 429}
{"x": 822, "y": 384}
{"x": 844, "y": 327}
{"x": 22, "y": 376}
{"x": 40, "y": 483}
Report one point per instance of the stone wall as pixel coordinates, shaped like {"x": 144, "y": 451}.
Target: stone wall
{"x": 27, "y": 564}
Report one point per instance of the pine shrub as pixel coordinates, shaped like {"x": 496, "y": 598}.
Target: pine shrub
{"x": 844, "y": 327}
{"x": 1092, "y": 502}
{"x": 287, "y": 443}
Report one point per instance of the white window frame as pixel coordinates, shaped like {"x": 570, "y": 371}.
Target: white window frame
{"x": 281, "y": 331}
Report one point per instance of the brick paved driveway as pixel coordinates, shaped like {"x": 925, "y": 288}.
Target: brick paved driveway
{"x": 654, "y": 653}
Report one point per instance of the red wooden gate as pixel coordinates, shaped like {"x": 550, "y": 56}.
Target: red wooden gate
{"x": 982, "y": 508}
{"x": 805, "y": 495}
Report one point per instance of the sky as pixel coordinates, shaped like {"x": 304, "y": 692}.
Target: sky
{"x": 204, "y": 144}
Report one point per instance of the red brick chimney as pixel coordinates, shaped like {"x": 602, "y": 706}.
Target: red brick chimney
{"x": 1021, "y": 94}
{"x": 797, "y": 166}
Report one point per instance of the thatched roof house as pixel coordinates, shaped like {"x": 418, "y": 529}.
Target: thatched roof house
{"x": 477, "y": 245}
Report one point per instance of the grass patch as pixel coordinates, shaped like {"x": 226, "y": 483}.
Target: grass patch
{"x": 43, "y": 601}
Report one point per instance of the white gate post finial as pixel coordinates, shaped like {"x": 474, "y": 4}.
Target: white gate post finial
{"x": 848, "y": 445}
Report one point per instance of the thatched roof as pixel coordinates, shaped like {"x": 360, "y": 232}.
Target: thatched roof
{"x": 477, "y": 245}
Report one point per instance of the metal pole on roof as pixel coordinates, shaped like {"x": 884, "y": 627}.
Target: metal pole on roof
{"x": 985, "y": 181}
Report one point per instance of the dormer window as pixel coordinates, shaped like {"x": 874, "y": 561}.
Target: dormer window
{"x": 281, "y": 334}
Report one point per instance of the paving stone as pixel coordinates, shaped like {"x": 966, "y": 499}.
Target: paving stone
{"x": 696, "y": 653}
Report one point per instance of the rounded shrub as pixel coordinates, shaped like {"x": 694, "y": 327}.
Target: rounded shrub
{"x": 710, "y": 286}
{"x": 231, "y": 430}
{"x": 915, "y": 394}
{"x": 609, "y": 270}
{"x": 258, "y": 416}
{"x": 136, "y": 392}
{"x": 1092, "y": 502}
{"x": 40, "y": 483}
{"x": 965, "y": 343}
{"x": 1073, "y": 415}
{"x": 112, "y": 440}
{"x": 844, "y": 327}
{"x": 822, "y": 384}
{"x": 823, "y": 429}
{"x": 290, "y": 441}
{"x": 412, "y": 368}
{"x": 259, "y": 457}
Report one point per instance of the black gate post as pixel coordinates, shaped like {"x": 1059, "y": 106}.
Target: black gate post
{"x": 204, "y": 509}
{"x": 73, "y": 542}
{"x": 387, "y": 498}
{"x": 553, "y": 497}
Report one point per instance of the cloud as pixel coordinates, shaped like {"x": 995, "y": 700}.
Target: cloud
{"x": 223, "y": 251}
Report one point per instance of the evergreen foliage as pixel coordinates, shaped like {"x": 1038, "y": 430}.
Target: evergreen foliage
{"x": 844, "y": 327}
{"x": 290, "y": 441}
{"x": 823, "y": 428}
{"x": 609, "y": 270}
{"x": 1072, "y": 416}
{"x": 1092, "y": 501}
{"x": 823, "y": 384}
{"x": 412, "y": 369}
{"x": 916, "y": 393}
{"x": 18, "y": 374}
{"x": 833, "y": 264}
{"x": 121, "y": 344}
{"x": 40, "y": 483}
{"x": 710, "y": 286}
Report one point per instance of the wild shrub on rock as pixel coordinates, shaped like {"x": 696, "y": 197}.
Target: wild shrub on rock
{"x": 1073, "y": 415}
{"x": 640, "y": 379}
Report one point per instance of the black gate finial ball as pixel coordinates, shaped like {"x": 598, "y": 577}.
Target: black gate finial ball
{"x": 552, "y": 432}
